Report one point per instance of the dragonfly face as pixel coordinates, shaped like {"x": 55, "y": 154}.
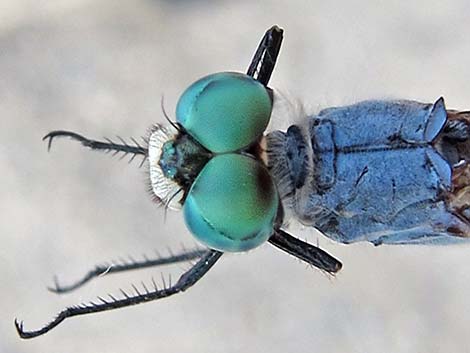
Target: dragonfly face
{"x": 230, "y": 200}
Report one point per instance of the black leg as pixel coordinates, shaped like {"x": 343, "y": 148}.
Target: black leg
{"x": 107, "y": 146}
{"x": 264, "y": 60}
{"x": 305, "y": 251}
{"x": 131, "y": 264}
{"x": 186, "y": 280}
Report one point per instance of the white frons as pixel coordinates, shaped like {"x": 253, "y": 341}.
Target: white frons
{"x": 164, "y": 188}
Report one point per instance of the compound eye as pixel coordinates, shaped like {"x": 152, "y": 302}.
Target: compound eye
{"x": 225, "y": 112}
{"x": 232, "y": 204}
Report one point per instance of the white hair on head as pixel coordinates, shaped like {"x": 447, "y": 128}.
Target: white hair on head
{"x": 163, "y": 188}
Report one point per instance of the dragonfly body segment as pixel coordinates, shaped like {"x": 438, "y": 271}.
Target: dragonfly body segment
{"x": 377, "y": 171}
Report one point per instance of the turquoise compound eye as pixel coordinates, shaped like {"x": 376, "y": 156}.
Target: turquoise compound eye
{"x": 225, "y": 112}
{"x": 232, "y": 204}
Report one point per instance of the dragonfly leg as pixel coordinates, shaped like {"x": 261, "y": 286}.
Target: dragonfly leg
{"x": 106, "y": 146}
{"x": 127, "y": 265}
{"x": 264, "y": 60}
{"x": 305, "y": 251}
{"x": 186, "y": 280}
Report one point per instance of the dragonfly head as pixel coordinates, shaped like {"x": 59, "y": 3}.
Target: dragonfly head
{"x": 230, "y": 202}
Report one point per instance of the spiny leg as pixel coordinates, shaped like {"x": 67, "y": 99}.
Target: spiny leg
{"x": 106, "y": 269}
{"x": 185, "y": 281}
{"x": 305, "y": 251}
{"x": 107, "y": 146}
{"x": 264, "y": 60}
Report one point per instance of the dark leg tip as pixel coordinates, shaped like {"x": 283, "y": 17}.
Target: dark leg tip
{"x": 19, "y": 328}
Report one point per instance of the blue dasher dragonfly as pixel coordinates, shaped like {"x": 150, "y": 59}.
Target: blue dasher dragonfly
{"x": 383, "y": 171}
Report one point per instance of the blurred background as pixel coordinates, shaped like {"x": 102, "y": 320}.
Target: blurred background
{"x": 100, "y": 68}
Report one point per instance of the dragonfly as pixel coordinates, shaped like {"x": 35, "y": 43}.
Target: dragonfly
{"x": 382, "y": 171}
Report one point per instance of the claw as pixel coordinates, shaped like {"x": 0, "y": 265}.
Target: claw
{"x": 107, "y": 146}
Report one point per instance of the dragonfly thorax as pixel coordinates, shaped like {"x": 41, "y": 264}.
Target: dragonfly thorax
{"x": 289, "y": 159}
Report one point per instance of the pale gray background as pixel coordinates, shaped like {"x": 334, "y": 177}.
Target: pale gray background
{"x": 100, "y": 68}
